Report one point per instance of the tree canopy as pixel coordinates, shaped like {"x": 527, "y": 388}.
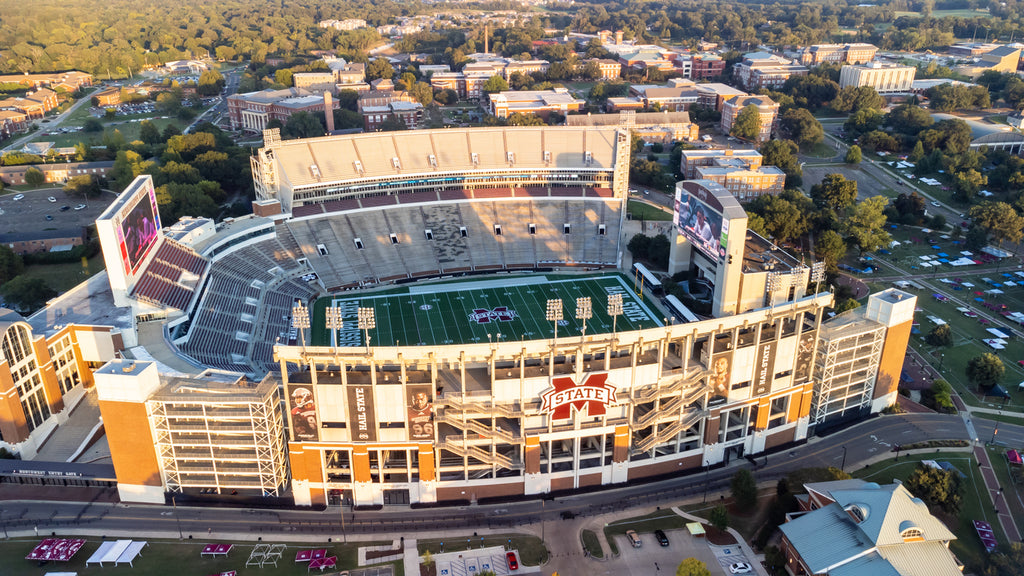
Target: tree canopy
{"x": 985, "y": 370}
{"x": 747, "y": 124}
{"x": 692, "y": 567}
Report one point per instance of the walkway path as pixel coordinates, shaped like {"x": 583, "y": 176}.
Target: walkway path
{"x": 996, "y": 493}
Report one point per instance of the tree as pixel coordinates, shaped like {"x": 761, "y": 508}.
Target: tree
{"x": 865, "y": 224}
{"x": 719, "y": 517}
{"x": 966, "y": 184}
{"x": 638, "y": 246}
{"x": 917, "y": 154}
{"x": 783, "y": 155}
{"x": 92, "y": 125}
{"x": 853, "y": 155}
{"x": 976, "y": 238}
{"x": 846, "y": 305}
{"x": 10, "y": 264}
{"x": 985, "y": 370}
{"x": 941, "y": 335}
{"x": 26, "y": 294}
{"x": 744, "y": 489}
{"x": 747, "y": 124}
{"x": 802, "y": 127}
{"x": 210, "y": 83}
{"x": 86, "y": 185}
{"x": 857, "y": 99}
{"x": 392, "y": 124}
{"x": 937, "y": 487}
{"x": 303, "y": 125}
{"x": 999, "y": 220}
{"x": 909, "y": 119}
{"x": 149, "y": 133}
{"x": 379, "y": 68}
{"x": 863, "y": 121}
{"x": 942, "y": 396}
{"x": 829, "y": 247}
{"x": 692, "y": 567}
{"x": 834, "y": 193}
{"x": 35, "y": 177}
{"x": 782, "y": 219}
{"x": 495, "y": 84}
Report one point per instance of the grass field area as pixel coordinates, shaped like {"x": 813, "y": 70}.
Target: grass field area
{"x": 962, "y": 13}
{"x": 532, "y": 551}
{"x": 591, "y": 544}
{"x": 1011, "y": 478}
{"x": 642, "y": 211}
{"x": 128, "y": 129}
{"x": 657, "y": 520}
{"x": 63, "y": 277}
{"x": 480, "y": 310}
{"x": 976, "y": 503}
{"x": 160, "y": 556}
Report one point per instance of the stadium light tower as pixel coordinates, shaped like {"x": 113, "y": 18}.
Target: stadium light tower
{"x": 614, "y": 309}
{"x": 584, "y": 311}
{"x": 300, "y": 320}
{"x": 367, "y": 321}
{"x": 334, "y": 323}
{"x": 554, "y": 315}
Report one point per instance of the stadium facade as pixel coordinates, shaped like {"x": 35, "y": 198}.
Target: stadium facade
{"x": 370, "y": 423}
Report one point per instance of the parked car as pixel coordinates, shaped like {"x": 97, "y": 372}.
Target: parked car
{"x": 51, "y": 200}
{"x": 740, "y": 568}
{"x": 934, "y": 203}
{"x": 48, "y": 217}
{"x": 18, "y": 197}
{"x": 65, "y": 208}
{"x": 513, "y": 564}
{"x": 659, "y": 535}
{"x": 80, "y": 207}
{"x": 634, "y": 538}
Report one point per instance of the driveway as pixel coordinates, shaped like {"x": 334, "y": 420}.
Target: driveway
{"x": 654, "y": 560}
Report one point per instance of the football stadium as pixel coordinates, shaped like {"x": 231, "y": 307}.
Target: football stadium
{"x": 440, "y": 316}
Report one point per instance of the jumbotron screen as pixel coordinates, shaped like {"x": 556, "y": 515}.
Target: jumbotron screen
{"x": 137, "y": 230}
{"x": 699, "y": 223}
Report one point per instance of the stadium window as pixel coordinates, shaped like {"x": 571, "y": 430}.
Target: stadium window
{"x": 566, "y": 228}
{"x": 588, "y": 157}
{"x": 463, "y": 232}
{"x": 321, "y": 249}
{"x": 497, "y": 229}
{"x": 359, "y": 243}
{"x": 741, "y": 385}
{"x": 475, "y": 158}
{"x": 533, "y": 229}
{"x": 433, "y": 160}
{"x": 394, "y": 238}
{"x": 396, "y": 163}
{"x": 511, "y": 156}
{"x": 547, "y": 156}
{"x": 358, "y": 165}
{"x": 601, "y": 231}
{"x": 429, "y": 234}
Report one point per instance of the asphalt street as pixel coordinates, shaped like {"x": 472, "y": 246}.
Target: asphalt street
{"x": 862, "y": 442}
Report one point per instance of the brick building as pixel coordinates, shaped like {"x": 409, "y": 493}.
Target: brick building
{"x": 767, "y": 112}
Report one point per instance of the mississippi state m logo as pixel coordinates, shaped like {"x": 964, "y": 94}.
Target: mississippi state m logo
{"x": 594, "y": 395}
{"x": 499, "y": 314}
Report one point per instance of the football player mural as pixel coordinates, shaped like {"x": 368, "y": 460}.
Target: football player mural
{"x": 303, "y": 413}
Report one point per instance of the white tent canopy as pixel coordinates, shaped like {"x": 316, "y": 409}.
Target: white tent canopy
{"x": 119, "y": 552}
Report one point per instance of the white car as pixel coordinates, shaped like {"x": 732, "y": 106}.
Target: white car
{"x": 80, "y": 207}
{"x": 740, "y": 568}
{"x": 51, "y": 200}
{"x": 934, "y": 203}
{"x": 18, "y": 197}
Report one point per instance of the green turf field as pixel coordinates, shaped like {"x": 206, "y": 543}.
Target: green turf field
{"x": 465, "y": 312}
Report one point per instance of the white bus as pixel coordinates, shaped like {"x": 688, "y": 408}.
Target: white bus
{"x": 644, "y": 280}
{"x": 679, "y": 310}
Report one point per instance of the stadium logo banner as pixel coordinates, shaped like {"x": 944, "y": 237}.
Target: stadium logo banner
{"x": 361, "y": 418}
{"x": 499, "y": 314}
{"x": 421, "y": 412}
{"x": 305, "y": 427}
{"x": 764, "y": 370}
{"x": 594, "y": 395}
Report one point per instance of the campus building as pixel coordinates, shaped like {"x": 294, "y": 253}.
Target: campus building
{"x": 767, "y": 112}
{"x": 884, "y": 78}
{"x": 534, "y": 102}
{"x": 855, "y": 53}
{"x": 763, "y": 71}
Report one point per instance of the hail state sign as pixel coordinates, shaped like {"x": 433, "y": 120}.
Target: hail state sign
{"x": 565, "y": 396}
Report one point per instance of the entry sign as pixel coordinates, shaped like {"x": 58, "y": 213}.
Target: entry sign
{"x": 594, "y": 395}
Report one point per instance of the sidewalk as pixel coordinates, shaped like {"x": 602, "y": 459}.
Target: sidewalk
{"x": 995, "y": 491}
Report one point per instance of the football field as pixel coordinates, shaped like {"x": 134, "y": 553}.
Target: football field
{"x": 506, "y": 309}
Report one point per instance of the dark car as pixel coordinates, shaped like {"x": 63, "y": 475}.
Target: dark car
{"x": 660, "y": 537}
{"x": 48, "y": 217}
{"x": 513, "y": 564}
{"x": 65, "y": 208}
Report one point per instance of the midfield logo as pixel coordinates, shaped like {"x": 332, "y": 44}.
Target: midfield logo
{"x": 499, "y": 314}
{"x": 594, "y": 395}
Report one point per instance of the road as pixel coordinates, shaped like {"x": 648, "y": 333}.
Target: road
{"x": 864, "y": 441}
{"x": 54, "y": 122}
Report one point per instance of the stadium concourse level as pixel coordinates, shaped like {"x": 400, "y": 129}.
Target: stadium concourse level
{"x": 368, "y": 241}
{"x": 245, "y": 301}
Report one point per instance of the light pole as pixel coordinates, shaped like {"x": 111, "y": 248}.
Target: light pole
{"x": 584, "y": 311}
{"x": 706, "y": 470}
{"x": 176, "y": 519}
{"x": 367, "y": 321}
{"x": 300, "y": 320}
{"x": 842, "y": 467}
{"x": 334, "y": 323}
{"x": 554, "y": 315}
{"x": 614, "y": 309}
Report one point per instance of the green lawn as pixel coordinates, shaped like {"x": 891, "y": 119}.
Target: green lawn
{"x": 657, "y": 520}
{"x": 532, "y": 551}
{"x": 1011, "y": 479}
{"x": 976, "y": 503}
{"x": 961, "y": 13}
{"x": 157, "y": 558}
{"x": 591, "y": 544}
{"x": 643, "y": 211}
{"x": 466, "y": 312}
{"x": 62, "y": 277}
{"x": 821, "y": 150}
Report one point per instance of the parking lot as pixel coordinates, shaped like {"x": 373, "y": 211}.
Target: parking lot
{"x": 652, "y": 560}
{"x": 29, "y": 214}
